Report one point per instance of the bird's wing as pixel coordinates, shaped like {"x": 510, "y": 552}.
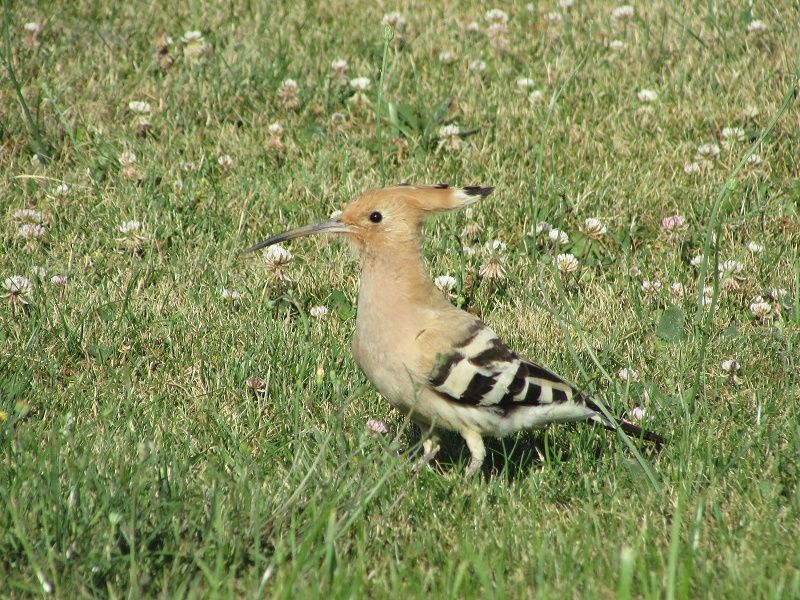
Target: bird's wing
{"x": 481, "y": 370}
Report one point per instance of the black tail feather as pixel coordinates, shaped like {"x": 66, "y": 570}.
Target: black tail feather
{"x": 637, "y": 432}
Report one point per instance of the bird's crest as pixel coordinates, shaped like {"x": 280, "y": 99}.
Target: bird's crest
{"x": 435, "y": 198}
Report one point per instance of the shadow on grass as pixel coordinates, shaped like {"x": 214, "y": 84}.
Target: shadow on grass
{"x": 510, "y": 458}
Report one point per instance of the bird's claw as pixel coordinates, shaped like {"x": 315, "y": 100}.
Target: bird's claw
{"x": 473, "y": 467}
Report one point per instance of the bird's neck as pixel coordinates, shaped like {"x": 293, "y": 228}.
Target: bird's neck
{"x": 396, "y": 280}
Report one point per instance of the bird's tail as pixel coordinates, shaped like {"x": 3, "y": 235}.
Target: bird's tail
{"x": 629, "y": 428}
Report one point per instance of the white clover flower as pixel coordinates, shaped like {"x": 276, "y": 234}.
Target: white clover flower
{"x": 691, "y": 168}
{"x": 469, "y": 251}
{"x": 628, "y": 374}
{"x": 567, "y": 263}
{"x": 708, "y": 151}
{"x": 277, "y": 256}
{"x": 318, "y": 312}
{"x": 394, "y": 20}
{"x": 377, "y": 426}
{"x": 36, "y": 160}
{"x": 751, "y": 112}
{"x": 192, "y": 36}
{"x": 139, "y": 106}
{"x": 276, "y": 129}
{"x": 127, "y": 158}
{"x": 473, "y": 28}
{"x": 496, "y": 16}
{"x": 674, "y": 223}
{"x": 565, "y": 4}
{"x": 289, "y": 85}
{"x": 594, "y": 228}
{"x": 288, "y": 94}
{"x": 651, "y": 287}
{"x": 552, "y": 17}
{"x": 755, "y": 247}
{"x": 543, "y": 226}
{"x": 188, "y": 166}
{"x": 754, "y": 160}
{"x": 496, "y": 246}
{"x": 471, "y": 228}
{"x": 730, "y": 267}
{"x": 733, "y": 133}
{"x": 30, "y": 215}
{"x": 492, "y": 269}
{"x": 360, "y": 84}
{"x": 730, "y": 365}
{"x": 646, "y": 95}
{"x": 477, "y": 65}
{"x": 557, "y": 236}
{"x": 58, "y": 280}
{"x": 256, "y": 383}
{"x": 230, "y": 294}
{"x": 620, "y": 13}
{"x": 449, "y": 137}
{"x": 31, "y": 230}
{"x": 616, "y": 45}
{"x": 525, "y": 82}
{"x": 61, "y": 190}
{"x": 339, "y": 67}
{"x": 32, "y": 27}
{"x": 336, "y": 214}
{"x": 697, "y": 260}
{"x": 756, "y": 26}
{"x": 449, "y": 131}
{"x": 127, "y": 227}
{"x": 677, "y": 289}
{"x": 225, "y": 161}
{"x": 447, "y": 57}
{"x": 759, "y": 308}
{"x": 535, "y": 96}
{"x": 445, "y": 283}
{"x": 637, "y": 413}
{"x": 17, "y": 289}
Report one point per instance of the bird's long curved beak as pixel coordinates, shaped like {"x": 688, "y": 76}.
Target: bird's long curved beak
{"x": 329, "y": 226}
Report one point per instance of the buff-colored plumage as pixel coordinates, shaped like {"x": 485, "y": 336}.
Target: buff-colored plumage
{"x": 438, "y": 364}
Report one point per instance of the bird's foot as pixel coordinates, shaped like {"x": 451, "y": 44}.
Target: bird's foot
{"x": 430, "y": 448}
{"x": 474, "y": 467}
{"x": 476, "y": 449}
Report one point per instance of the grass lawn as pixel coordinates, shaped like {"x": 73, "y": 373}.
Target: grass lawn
{"x": 176, "y": 420}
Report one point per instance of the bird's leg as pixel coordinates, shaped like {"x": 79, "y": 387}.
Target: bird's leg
{"x": 477, "y": 450}
{"x": 430, "y": 448}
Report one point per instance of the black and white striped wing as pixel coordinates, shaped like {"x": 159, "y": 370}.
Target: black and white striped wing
{"x": 482, "y": 371}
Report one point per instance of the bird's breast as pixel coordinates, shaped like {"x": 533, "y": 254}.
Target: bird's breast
{"x": 382, "y": 351}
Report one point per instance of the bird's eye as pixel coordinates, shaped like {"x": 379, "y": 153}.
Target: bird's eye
{"x": 376, "y": 217}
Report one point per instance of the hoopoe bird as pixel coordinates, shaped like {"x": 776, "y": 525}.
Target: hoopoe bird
{"x": 439, "y": 365}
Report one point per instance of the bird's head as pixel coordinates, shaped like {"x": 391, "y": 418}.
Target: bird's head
{"x": 388, "y": 216}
